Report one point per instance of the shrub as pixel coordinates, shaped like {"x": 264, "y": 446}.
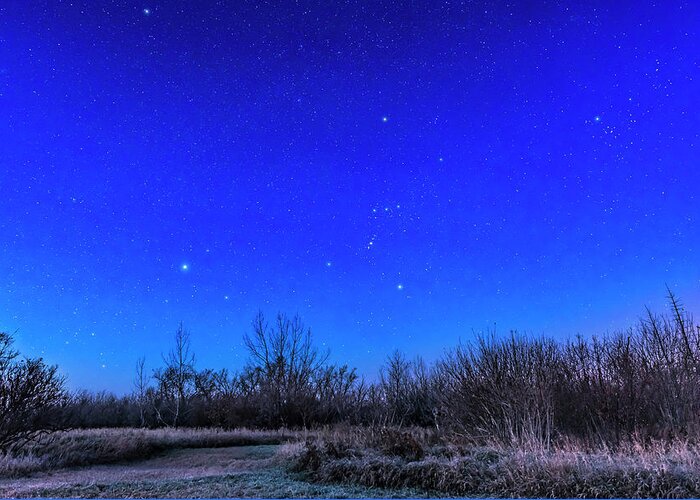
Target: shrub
{"x": 31, "y": 397}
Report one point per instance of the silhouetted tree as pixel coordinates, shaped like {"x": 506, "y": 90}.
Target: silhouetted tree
{"x": 286, "y": 362}
{"x": 32, "y": 397}
{"x": 175, "y": 381}
{"x": 140, "y": 389}
{"x": 334, "y": 388}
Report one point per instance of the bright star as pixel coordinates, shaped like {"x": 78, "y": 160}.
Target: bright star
{"x": 596, "y": 118}
{"x": 184, "y": 267}
{"x": 329, "y": 264}
{"x": 399, "y": 286}
{"x": 385, "y": 119}
{"x": 147, "y": 12}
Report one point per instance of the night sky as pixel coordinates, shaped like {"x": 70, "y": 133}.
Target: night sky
{"x": 401, "y": 174}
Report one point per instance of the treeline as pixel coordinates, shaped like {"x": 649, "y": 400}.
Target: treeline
{"x": 286, "y": 382}
{"x": 643, "y": 383}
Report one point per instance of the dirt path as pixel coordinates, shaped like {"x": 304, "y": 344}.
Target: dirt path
{"x": 241, "y": 471}
{"x": 183, "y": 464}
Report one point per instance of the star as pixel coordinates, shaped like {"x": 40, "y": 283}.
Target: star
{"x": 184, "y": 267}
{"x": 399, "y": 286}
{"x": 385, "y": 119}
{"x": 597, "y": 118}
{"x": 329, "y": 263}
{"x": 147, "y": 12}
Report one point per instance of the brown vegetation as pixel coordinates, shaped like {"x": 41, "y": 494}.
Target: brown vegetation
{"x": 449, "y": 468}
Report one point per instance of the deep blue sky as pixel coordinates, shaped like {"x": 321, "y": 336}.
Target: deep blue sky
{"x": 401, "y": 174}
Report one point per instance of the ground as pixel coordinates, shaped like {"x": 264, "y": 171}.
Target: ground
{"x": 238, "y": 471}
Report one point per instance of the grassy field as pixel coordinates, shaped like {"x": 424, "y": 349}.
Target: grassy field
{"x": 340, "y": 463}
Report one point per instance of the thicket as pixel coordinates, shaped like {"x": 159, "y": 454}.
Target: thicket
{"x": 517, "y": 390}
{"x": 421, "y": 459}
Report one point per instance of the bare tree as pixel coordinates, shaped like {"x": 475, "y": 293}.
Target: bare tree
{"x": 140, "y": 389}
{"x": 31, "y": 397}
{"x": 333, "y": 388}
{"x": 285, "y": 357}
{"x": 176, "y": 381}
{"x": 395, "y": 384}
{"x": 408, "y": 391}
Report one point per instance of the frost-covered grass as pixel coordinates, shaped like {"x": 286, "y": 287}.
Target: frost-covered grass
{"x": 339, "y": 463}
{"x": 237, "y": 471}
{"x": 405, "y": 459}
{"x": 101, "y": 446}
{"x": 267, "y": 483}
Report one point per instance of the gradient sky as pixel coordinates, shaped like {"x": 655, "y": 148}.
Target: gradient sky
{"x": 401, "y": 174}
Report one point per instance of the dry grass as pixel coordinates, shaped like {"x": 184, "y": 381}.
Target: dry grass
{"x": 240, "y": 471}
{"x": 345, "y": 461}
{"x": 267, "y": 483}
{"x": 102, "y": 446}
{"x": 445, "y": 469}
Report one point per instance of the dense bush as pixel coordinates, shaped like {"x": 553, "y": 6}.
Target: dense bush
{"x": 653, "y": 471}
